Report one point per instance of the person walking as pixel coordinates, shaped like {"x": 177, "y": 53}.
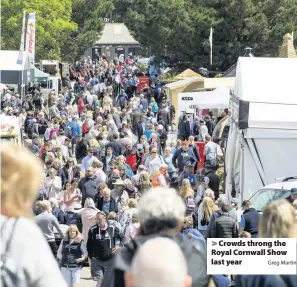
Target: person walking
{"x": 46, "y": 221}
{"x": 250, "y": 219}
{"x": 72, "y": 253}
{"x": 101, "y": 247}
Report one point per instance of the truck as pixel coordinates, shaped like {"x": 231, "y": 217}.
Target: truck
{"x": 10, "y": 129}
{"x": 262, "y": 140}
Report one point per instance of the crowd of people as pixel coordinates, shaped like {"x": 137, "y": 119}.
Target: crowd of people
{"x": 116, "y": 192}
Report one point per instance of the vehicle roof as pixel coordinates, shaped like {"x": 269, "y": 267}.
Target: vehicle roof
{"x": 282, "y": 185}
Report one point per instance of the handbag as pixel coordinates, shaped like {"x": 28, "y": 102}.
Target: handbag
{"x": 11, "y": 274}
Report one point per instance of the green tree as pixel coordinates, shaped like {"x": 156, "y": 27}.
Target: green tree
{"x": 89, "y": 16}
{"x": 53, "y": 25}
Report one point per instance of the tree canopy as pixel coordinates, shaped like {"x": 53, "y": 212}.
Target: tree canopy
{"x": 178, "y": 30}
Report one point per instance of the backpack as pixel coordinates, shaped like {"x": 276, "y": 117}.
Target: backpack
{"x": 11, "y": 275}
{"x": 190, "y": 204}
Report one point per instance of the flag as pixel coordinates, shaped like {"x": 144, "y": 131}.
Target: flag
{"x": 30, "y": 39}
{"x": 210, "y": 43}
{"x": 22, "y": 46}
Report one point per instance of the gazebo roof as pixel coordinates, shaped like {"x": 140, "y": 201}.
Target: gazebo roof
{"x": 287, "y": 49}
{"x": 188, "y": 73}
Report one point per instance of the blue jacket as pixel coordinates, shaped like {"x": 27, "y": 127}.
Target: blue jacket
{"x": 75, "y": 128}
{"x": 155, "y": 107}
{"x": 197, "y": 236}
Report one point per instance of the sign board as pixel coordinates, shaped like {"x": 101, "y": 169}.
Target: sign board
{"x": 186, "y": 105}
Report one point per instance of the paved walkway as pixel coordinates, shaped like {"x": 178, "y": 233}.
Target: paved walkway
{"x": 86, "y": 280}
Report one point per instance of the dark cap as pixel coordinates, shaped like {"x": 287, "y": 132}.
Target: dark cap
{"x": 294, "y": 190}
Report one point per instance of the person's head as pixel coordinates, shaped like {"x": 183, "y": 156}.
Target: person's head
{"x": 45, "y": 206}
{"x": 234, "y": 203}
{"x": 121, "y": 159}
{"x": 112, "y": 216}
{"x": 245, "y": 234}
{"x": 57, "y": 164}
{"x": 119, "y": 185}
{"x": 101, "y": 187}
{"x": 90, "y": 152}
{"x": 160, "y": 209}
{"x": 71, "y": 162}
{"x": 109, "y": 151}
{"x": 74, "y": 183}
{"x": 54, "y": 202}
{"x": 191, "y": 139}
{"x": 89, "y": 202}
{"x": 188, "y": 222}
{"x": 222, "y": 200}
{"x": 154, "y": 152}
{"x": 97, "y": 164}
{"x": 246, "y": 204}
{"x": 168, "y": 269}
{"x": 129, "y": 147}
{"x": 278, "y": 220}
{"x": 185, "y": 145}
{"x": 132, "y": 203}
{"x": 101, "y": 218}
{"x": 294, "y": 193}
{"x": 50, "y": 156}
{"x": 89, "y": 172}
{"x": 106, "y": 194}
{"x": 186, "y": 189}
{"x": 167, "y": 150}
{"x": 79, "y": 138}
{"x": 208, "y": 207}
{"x": 73, "y": 231}
{"x": 93, "y": 144}
{"x": 52, "y": 173}
{"x": 207, "y": 138}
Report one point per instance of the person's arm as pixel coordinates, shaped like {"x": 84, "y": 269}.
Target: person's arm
{"x": 90, "y": 244}
{"x": 83, "y": 165}
{"x": 210, "y": 224}
{"x": 57, "y": 225}
{"x": 241, "y": 224}
{"x": 213, "y": 232}
{"x": 84, "y": 252}
{"x": 174, "y": 158}
{"x": 205, "y": 150}
{"x": 60, "y": 251}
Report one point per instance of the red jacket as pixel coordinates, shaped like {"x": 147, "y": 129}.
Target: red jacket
{"x": 131, "y": 161}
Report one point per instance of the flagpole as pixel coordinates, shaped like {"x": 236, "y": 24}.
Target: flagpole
{"x": 22, "y": 49}
{"x": 210, "y": 43}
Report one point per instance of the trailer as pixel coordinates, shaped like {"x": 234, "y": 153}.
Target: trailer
{"x": 262, "y": 141}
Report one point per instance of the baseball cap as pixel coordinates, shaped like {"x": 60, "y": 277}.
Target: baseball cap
{"x": 294, "y": 190}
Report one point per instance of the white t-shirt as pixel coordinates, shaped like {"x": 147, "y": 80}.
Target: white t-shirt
{"x": 30, "y": 252}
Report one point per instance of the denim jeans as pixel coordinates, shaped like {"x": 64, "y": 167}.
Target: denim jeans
{"x": 71, "y": 275}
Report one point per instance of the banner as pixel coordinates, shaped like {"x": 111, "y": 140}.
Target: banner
{"x": 30, "y": 39}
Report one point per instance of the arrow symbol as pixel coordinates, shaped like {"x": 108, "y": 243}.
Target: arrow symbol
{"x": 214, "y": 243}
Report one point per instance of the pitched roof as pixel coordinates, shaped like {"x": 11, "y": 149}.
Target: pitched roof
{"x": 287, "y": 49}
{"x": 188, "y": 73}
{"x": 116, "y": 33}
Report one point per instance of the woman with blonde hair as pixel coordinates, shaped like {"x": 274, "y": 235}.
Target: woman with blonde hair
{"x": 126, "y": 217}
{"x": 88, "y": 217}
{"x": 144, "y": 183}
{"x": 72, "y": 253}
{"x": 94, "y": 145}
{"x": 205, "y": 211}
{"x": 278, "y": 220}
{"x": 132, "y": 229}
{"x": 187, "y": 195}
{"x": 21, "y": 175}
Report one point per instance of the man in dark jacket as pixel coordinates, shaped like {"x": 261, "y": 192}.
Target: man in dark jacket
{"x": 184, "y": 130}
{"x": 81, "y": 149}
{"x": 101, "y": 246}
{"x": 117, "y": 148}
{"x": 106, "y": 203}
{"x": 224, "y": 226}
{"x": 250, "y": 219}
{"x": 183, "y": 156}
{"x": 135, "y": 118}
{"x": 140, "y": 128}
{"x": 88, "y": 185}
{"x": 210, "y": 124}
{"x": 214, "y": 182}
{"x": 160, "y": 214}
{"x": 164, "y": 114}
